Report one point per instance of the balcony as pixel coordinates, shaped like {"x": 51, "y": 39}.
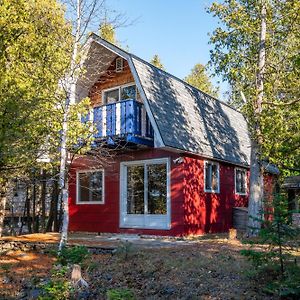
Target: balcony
{"x": 124, "y": 121}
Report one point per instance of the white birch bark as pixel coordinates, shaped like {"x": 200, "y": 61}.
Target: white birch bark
{"x": 70, "y": 99}
{"x": 3, "y": 199}
{"x": 256, "y": 172}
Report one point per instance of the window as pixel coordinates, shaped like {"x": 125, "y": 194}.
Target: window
{"x": 211, "y": 175}
{"x": 128, "y": 92}
{"x": 124, "y": 92}
{"x": 240, "y": 181}
{"x": 119, "y": 64}
{"x": 90, "y": 187}
{"x": 111, "y": 96}
{"x": 147, "y": 189}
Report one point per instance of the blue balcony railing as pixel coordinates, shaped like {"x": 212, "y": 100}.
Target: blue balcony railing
{"x": 126, "y": 120}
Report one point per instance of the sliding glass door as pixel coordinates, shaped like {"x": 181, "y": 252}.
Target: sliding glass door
{"x": 145, "y": 201}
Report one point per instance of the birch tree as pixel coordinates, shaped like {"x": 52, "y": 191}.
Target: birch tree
{"x": 255, "y": 51}
{"x": 84, "y": 14}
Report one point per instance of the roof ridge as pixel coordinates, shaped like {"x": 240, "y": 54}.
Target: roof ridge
{"x": 169, "y": 74}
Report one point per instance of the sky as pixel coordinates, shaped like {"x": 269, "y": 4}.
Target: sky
{"x": 176, "y": 30}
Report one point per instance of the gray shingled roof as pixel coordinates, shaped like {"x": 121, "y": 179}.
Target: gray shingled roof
{"x": 191, "y": 120}
{"x": 186, "y": 118}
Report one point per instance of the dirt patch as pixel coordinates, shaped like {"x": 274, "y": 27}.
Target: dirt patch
{"x": 18, "y": 268}
{"x": 208, "y": 268}
{"x": 214, "y": 270}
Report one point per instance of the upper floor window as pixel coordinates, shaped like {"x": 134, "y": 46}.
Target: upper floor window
{"x": 240, "y": 181}
{"x": 211, "y": 175}
{"x": 124, "y": 92}
{"x": 90, "y": 187}
{"x": 119, "y": 64}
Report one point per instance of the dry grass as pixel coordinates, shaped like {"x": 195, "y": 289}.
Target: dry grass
{"x": 211, "y": 268}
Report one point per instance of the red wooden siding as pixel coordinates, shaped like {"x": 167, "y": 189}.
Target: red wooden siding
{"x": 192, "y": 210}
{"x": 105, "y": 217}
{"x": 209, "y": 212}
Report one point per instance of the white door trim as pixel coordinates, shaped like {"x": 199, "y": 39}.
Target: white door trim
{"x": 146, "y": 221}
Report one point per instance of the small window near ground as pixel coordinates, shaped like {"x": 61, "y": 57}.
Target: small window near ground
{"x": 240, "y": 181}
{"x": 211, "y": 177}
{"x": 90, "y": 187}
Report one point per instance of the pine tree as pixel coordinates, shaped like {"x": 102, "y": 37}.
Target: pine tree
{"x": 199, "y": 79}
{"x": 157, "y": 62}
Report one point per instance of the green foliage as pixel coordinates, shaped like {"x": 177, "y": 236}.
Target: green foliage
{"x": 57, "y": 288}
{"x": 235, "y": 57}
{"x": 107, "y": 32}
{"x": 34, "y": 53}
{"x": 279, "y": 238}
{"x": 156, "y": 61}
{"x": 120, "y": 294}
{"x": 73, "y": 255}
{"x": 199, "y": 79}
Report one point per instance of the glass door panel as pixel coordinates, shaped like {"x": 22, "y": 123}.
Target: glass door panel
{"x": 135, "y": 190}
{"x": 157, "y": 189}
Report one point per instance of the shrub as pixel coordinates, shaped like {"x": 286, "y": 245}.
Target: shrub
{"x": 57, "y": 288}
{"x": 73, "y": 255}
{"x": 277, "y": 263}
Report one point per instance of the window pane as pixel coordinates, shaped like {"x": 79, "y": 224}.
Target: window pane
{"x": 90, "y": 186}
{"x": 128, "y": 92}
{"x": 157, "y": 189}
{"x": 240, "y": 181}
{"x": 96, "y": 185}
{"x": 135, "y": 189}
{"x": 208, "y": 176}
{"x": 111, "y": 96}
{"x": 215, "y": 179}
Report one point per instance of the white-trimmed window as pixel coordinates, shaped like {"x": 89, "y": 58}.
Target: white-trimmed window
{"x": 123, "y": 92}
{"x": 240, "y": 181}
{"x": 211, "y": 177}
{"x": 90, "y": 187}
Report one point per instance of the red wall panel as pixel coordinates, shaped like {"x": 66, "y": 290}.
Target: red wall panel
{"x": 105, "y": 217}
{"x": 208, "y": 212}
{"x": 193, "y": 211}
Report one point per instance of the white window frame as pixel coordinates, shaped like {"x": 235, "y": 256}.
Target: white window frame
{"x": 218, "y": 177}
{"x": 120, "y": 59}
{"x": 157, "y": 224}
{"x": 78, "y": 202}
{"x": 246, "y": 186}
{"x": 118, "y": 87}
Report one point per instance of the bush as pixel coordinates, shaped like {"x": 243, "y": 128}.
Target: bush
{"x": 73, "y": 255}
{"x": 120, "y": 294}
{"x": 276, "y": 263}
{"x": 57, "y": 288}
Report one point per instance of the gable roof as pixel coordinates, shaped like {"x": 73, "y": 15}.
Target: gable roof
{"x": 186, "y": 118}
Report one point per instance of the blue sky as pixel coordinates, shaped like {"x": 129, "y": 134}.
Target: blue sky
{"x": 176, "y": 30}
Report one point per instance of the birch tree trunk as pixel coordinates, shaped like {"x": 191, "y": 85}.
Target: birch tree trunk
{"x": 256, "y": 171}
{"x": 71, "y": 85}
{"x": 3, "y": 191}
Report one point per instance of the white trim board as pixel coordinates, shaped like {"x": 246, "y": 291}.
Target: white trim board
{"x": 77, "y": 186}
{"x": 144, "y": 221}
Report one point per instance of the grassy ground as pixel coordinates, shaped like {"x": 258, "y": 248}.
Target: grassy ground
{"x": 210, "y": 269}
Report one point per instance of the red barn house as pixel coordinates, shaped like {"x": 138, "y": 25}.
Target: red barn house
{"x": 180, "y": 158}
